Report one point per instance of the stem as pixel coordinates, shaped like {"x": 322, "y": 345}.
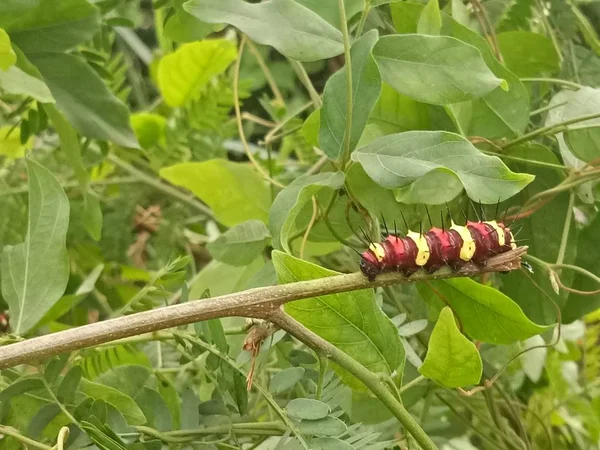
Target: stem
{"x": 565, "y": 234}
{"x": 306, "y": 82}
{"x": 10, "y": 431}
{"x": 254, "y": 303}
{"x": 368, "y": 378}
{"x": 546, "y": 108}
{"x": 551, "y": 129}
{"x": 310, "y": 225}
{"x": 363, "y": 18}
{"x": 58, "y": 402}
{"x": 158, "y": 185}
{"x": 238, "y": 116}
{"x": 74, "y": 184}
{"x": 565, "y": 83}
{"x": 412, "y": 383}
{"x": 272, "y": 84}
{"x": 349, "y": 86}
{"x": 525, "y": 161}
{"x": 487, "y": 27}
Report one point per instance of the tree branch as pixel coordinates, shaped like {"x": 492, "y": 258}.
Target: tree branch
{"x": 257, "y": 303}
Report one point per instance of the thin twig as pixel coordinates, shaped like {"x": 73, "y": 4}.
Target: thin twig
{"x": 255, "y": 303}
{"x": 487, "y": 27}
{"x": 310, "y": 225}
{"x": 268, "y": 75}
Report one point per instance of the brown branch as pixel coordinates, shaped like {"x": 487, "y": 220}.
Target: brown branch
{"x": 258, "y": 303}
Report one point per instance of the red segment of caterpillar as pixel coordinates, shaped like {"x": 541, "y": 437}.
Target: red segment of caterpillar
{"x": 476, "y": 241}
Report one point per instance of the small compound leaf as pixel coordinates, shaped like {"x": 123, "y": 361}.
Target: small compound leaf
{"x": 35, "y": 273}
{"x": 234, "y": 191}
{"x": 452, "y": 360}
{"x": 433, "y": 69}
{"x": 327, "y": 426}
{"x": 284, "y": 380}
{"x": 295, "y": 31}
{"x": 398, "y": 160}
{"x": 366, "y": 87}
{"x": 184, "y": 73}
{"x": 290, "y": 202}
{"x": 240, "y": 245}
{"x": 351, "y": 321}
{"x": 485, "y": 313}
{"x": 84, "y": 99}
{"x": 306, "y": 408}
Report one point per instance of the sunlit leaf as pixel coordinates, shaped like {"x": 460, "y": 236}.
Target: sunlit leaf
{"x": 452, "y": 360}
{"x": 295, "y": 31}
{"x": 184, "y": 73}
{"x": 35, "y": 273}
{"x": 10, "y": 143}
{"x": 234, "y": 191}
{"x": 7, "y": 54}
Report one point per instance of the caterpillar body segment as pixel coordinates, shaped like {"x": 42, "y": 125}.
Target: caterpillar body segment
{"x": 475, "y": 241}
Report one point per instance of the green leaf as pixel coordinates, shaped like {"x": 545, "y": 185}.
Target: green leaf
{"x": 528, "y": 54}
{"x": 50, "y": 26}
{"x": 433, "y": 69}
{"x": 290, "y": 202}
{"x": 125, "y": 404}
{"x": 220, "y": 278}
{"x": 306, "y": 408}
{"x": 10, "y": 143}
{"x": 15, "y": 81}
{"x": 329, "y": 443}
{"x": 292, "y": 29}
{"x": 234, "y": 191}
{"x": 241, "y": 244}
{"x": 452, "y": 360}
{"x": 327, "y": 426}
{"x": 183, "y": 74}
{"x": 182, "y": 27}
{"x": 84, "y": 99}
{"x": 35, "y": 273}
{"x": 284, "y": 380}
{"x": 395, "y": 113}
{"x": 366, "y": 87}
{"x": 330, "y": 11}
{"x": 69, "y": 385}
{"x": 485, "y": 313}
{"x": 351, "y": 321}
{"x": 430, "y": 21}
{"x": 398, "y": 160}
{"x": 149, "y": 129}
{"x": 8, "y": 56}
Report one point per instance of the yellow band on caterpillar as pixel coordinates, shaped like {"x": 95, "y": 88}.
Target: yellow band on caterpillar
{"x": 513, "y": 244}
{"x": 468, "y": 248}
{"x": 378, "y": 251}
{"x": 423, "y": 251}
{"x": 499, "y": 232}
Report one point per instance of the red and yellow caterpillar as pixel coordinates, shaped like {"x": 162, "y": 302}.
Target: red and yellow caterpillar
{"x": 476, "y": 241}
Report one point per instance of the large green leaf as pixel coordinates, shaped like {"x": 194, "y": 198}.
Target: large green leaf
{"x": 395, "y": 113}
{"x": 295, "y": 31}
{"x": 452, "y": 359}
{"x": 35, "y": 273}
{"x": 241, "y": 244}
{"x": 351, "y": 321}
{"x": 7, "y": 54}
{"x": 184, "y": 73}
{"x": 485, "y": 313}
{"x": 121, "y": 401}
{"x": 528, "y": 54}
{"x": 433, "y": 69}
{"x": 15, "y": 81}
{"x": 48, "y": 25}
{"x": 500, "y": 113}
{"x": 398, "y": 160}
{"x": 366, "y": 86}
{"x": 84, "y": 99}
{"x": 330, "y": 11}
{"x": 289, "y": 203}
{"x": 235, "y": 191}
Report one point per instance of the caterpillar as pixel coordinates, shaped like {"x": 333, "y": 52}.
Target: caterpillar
{"x": 475, "y": 241}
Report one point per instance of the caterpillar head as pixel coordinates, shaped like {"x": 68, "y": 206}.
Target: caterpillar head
{"x": 371, "y": 261}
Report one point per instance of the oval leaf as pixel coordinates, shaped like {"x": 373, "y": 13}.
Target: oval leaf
{"x": 285, "y": 379}
{"x": 235, "y": 191}
{"x": 295, "y": 31}
{"x": 328, "y": 426}
{"x": 366, "y": 87}
{"x": 306, "y": 408}
{"x": 184, "y": 73}
{"x": 240, "y": 245}
{"x": 398, "y": 160}
{"x": 485, "y": 313}
{"x": 433, "y": 69}
{"x": 351, "y": 321}
{"x": 290, "y": 202}
{"x": 452, "y": 360}
{"x": 35, "y": 273}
